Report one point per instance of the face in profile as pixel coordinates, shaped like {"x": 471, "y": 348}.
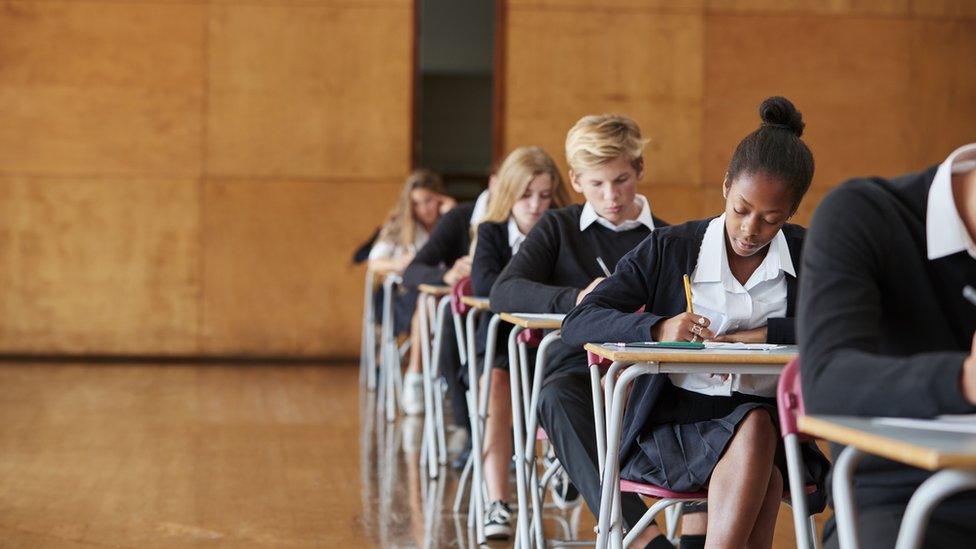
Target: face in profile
{"x": 610, "y": 188}
{"x": 533, "y": 203}
{"x": 757, "y": 206}
{"x": 426, "y": 206}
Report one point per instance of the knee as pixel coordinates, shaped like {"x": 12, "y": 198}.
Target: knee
{"x": 758, "y": 429}
{"x": 553, "y": 394}
{"x": 499, "y": 378}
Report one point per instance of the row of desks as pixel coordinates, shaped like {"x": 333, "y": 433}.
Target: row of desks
{"x": 919, "y": 447}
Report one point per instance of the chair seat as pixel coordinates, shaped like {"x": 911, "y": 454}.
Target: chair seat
{"x": 658, "y": 492}
{"x": 662, "y": 493}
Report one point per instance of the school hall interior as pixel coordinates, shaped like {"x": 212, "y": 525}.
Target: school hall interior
{"x": 184, "y": 184}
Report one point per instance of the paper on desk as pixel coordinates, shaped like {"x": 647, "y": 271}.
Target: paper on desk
{"x": 541, "y": 316}
{"x": 964, "y": 423}
{"x": 722, "y": 346}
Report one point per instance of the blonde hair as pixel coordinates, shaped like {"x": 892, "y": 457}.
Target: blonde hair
{"x": 597, "y": 139}
{"x": 400, "y": 228}
{"x": 519, "y": 168}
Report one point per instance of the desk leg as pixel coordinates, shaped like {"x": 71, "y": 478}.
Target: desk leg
{"x": 518, "y": 426}
{"x": 440, "y": 319}
{"x": 845, "y": 513}
{"x": 477, "y": 453}
{"x": 935, "y": 489}
{"x": 429, "y": 436}
{"x": 598, "y": 417}
{"x": 532, "y": 423}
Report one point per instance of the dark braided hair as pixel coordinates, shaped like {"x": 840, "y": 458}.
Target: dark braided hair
{"x": 776, "y": 149}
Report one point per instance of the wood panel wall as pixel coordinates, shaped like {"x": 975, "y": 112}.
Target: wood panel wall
{"x": 881, "y": 83}
{"x": 190, "y": 178}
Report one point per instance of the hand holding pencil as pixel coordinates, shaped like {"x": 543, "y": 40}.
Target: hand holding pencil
{"x": 686, "y": 326}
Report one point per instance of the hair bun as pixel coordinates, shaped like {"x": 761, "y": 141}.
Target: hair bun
{"x": 779, "y": 112}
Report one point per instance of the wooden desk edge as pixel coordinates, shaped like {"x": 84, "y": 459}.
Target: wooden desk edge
{"x": 480, "y": 303}
{"x": 434, "y": 289}
{"x": 705, "y": 356}
{"x": 883, "y": 446}
{"x": 531, "y": 324}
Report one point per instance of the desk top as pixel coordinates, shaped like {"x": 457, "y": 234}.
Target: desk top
{"x": 535, "y": 321}
{"x": 435, "y": 290}
{"x": 480, "y": 303}
{"x": 699, "y": 356}
{"x": 925, "y": 448}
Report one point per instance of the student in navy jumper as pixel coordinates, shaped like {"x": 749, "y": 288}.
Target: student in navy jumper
{"x": 528, "y": 185}
{"x": 688, "y": 432}
{"x": 884, "y": 328}
{"x": 557, "y": 265}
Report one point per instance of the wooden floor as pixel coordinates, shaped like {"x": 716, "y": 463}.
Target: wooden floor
{"x": 208, "y": 455}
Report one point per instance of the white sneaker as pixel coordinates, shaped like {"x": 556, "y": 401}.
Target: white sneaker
{"x": 498, "y": 521}
{"x": 413, "y": 394}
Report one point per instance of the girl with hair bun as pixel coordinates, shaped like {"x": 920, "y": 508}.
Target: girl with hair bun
{"x": 691, "y": 432}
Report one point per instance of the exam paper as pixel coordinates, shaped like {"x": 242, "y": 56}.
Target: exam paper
{"x": 965, "y": 423}
{"x": 721, "y": 346}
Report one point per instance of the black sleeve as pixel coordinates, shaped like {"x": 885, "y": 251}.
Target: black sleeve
{"x": 607, "y": 314}
{"x": 489, "y": 259}
{"x": 781, "y": 331}
{"x": 440, "y": 252}
{"x": 839, "y": 327}
{"x": 521, "y": 286}
{"x": 362, "y": 252}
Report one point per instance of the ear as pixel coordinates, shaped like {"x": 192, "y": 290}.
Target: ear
{"x": 639, "y": 167}
{"x": 726, "y": 185}
{"x": 572, "y": 181}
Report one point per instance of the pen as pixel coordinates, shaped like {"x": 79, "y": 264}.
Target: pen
{"x": 969, "y": 293}
{"x": 603, "y": 265}
{"x": 687, "y": 281}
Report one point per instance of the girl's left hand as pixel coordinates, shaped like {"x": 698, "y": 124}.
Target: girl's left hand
{"x": 755, "y": 335}
{"x": 447, "y": 204}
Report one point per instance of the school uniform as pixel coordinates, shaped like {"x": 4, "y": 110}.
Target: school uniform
{"x": 556, "y": 260}
{"x": 677, "y": 426}
{"x": 448, "y": 242}
{"x": 405, "y": 299}
{"x": 884, "y": 329}
{"x": 497, "y": 243}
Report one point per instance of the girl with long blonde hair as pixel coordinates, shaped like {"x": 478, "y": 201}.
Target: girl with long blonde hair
{"x": 528, "y": 185}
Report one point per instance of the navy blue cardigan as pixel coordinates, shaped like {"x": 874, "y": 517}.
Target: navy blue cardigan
{"x": 650, "y": 275}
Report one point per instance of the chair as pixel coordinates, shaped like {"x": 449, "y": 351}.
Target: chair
{"x": 789, "y": 401}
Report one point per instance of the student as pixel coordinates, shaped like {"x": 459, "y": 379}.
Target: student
{"x": 444, "y": 260}
{"x": 557, "y": 265}
{"x": 884, "y": 328}
{"x": 528, "y": 185}
{"x": 421, "y": 204}
{"x": 689, "y": 432}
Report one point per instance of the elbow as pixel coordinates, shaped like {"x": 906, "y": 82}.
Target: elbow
{"x": 571, "y": 332}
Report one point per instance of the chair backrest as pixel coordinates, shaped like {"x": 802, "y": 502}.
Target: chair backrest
{"x": 460, "y": 289}
{"x": 532, "y": 337}
{"x": 789, "y": 398}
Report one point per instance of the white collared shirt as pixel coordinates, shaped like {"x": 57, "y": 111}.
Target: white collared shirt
{"x": 731, "y": 306}
{"x": 945, "y": 233}
{"x": 515, "y": 236}
{"x": 589, "y": 215}
{"x": 385, "y": 249}
{"x": 480, "y": 208}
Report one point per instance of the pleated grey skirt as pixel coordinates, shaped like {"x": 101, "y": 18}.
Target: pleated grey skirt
{"x": 687, "y": 434}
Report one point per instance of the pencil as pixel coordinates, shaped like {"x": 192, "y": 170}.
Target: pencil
{"x": 603, "y": 265}
{"x": 691, "y": 307}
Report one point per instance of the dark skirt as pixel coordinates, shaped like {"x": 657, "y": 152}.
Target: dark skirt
{"x": 404, "y": 304}
{"x": 687, "y": 434}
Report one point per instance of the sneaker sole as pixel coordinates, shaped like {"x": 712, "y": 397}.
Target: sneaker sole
{"x": 497, "y": 531}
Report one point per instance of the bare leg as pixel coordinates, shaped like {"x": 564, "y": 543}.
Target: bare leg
{"x": 740, "y": 483}
{"x": 762, "y": 532}
{"x": 695, "y": 524}
{"x": 498, "y": 437}
{"x": 414, "y": 362}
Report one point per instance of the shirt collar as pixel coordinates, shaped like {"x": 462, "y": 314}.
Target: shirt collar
{"x": 712, "y": 256}
{"x": 945, "y": 233}
{"x": 515, "y": 236}
{"x": 589, "y": 216}
{"x": 480, "y": 208}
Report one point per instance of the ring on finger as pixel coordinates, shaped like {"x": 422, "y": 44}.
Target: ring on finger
{"x": 696, "y": 329}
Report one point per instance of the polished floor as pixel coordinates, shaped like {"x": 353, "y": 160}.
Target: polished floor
{"x": 178, "y": 455}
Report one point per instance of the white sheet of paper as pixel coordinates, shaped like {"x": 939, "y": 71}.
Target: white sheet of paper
{"x": 542, "y": 316}
{"x": 717, "y": 321}
{"x": 965, "y": 423}
{"x": 720, "y": 346}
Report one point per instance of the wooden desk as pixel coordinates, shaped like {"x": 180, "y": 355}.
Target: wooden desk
{"x": 714, "y": 361}
{"x": 532, "y": 321}
{"x": 479, "y": 303}
{"x": 952, "y": 454}
{"x": 435, "y": 290}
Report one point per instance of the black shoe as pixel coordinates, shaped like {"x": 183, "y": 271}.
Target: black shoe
{"x": 564, "y": 494}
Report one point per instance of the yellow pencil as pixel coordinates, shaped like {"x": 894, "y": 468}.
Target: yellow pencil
{"x": 691, "y": 307}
